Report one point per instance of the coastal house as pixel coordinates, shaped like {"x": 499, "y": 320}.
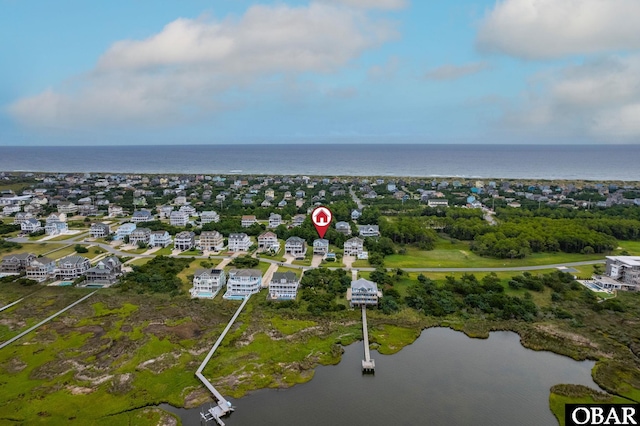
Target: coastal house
{"x": 624, "y": 272}
{"x": 343, "y": 228}
{"x": 16, "y": 263}
{"x": 298, "y": 220}
{"x": 207, "y": 283}
{"x": 124, "y": 230}
{"x": 275, "y": 220}
{"x": 211, "y": 241}
{"x": 185, "y": 240}
{"x": 188, "y": 209}
{"x": 67, "y": 207}
{"x": 283, "y": 286}
{"x": 99, "y": 230}
{"x": 178, "y": 218}
{"x": 248, "y": 220}
{"x": 41, "y": 269}
{"x": 140, "y": 236}
{"x": 88, "y": 210}
{"x": 105, "y": 273}
{"x": 165, "y": 211}
{"x": 141, "y": 216}
{"x": 30, "y": 226}
{"x": 295, "y": 246}
{"x": 160, "y": 239}
{"x": 355, "y": 214}
{"x": 56, "y": 217}
{"x": 268, "y": 241}
{"x": 19, "y": 217}
{"x": 353, "y": 246}
{"x": 243, "y": 282}
{"x": 369, "y": 230}
{"x": 363, "y": 292}
{"x": 11, "y": 209}
{"x": 115, "y": 211}
{"x": 320, "y": 246}
{"x": 438, "y": 202}
{"x": 239, "y": 242}
{"x": 71, "y": 267}
{"x": 209, "y": 216}
{"x": 56, "y": 228}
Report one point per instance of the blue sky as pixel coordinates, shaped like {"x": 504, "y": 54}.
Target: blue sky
{"x": 352, "y": 71}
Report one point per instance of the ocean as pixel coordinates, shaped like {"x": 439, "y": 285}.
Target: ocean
{"x": 570, "y": 162}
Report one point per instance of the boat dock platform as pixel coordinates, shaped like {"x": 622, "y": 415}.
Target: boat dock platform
{"x": 368, "y": 365}
{"x": 224, "y": 407}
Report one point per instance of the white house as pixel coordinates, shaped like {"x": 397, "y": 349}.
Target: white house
{"x": 140, "y": 236}
{"x": 438, "y": 202}
{"x": 207, "y": 283}
{"x": 67, "y": 207}
{"x": 10, "y": 209}
{"x": 369, "y": 230}
{"x": 247, "y": 221}
{"x": 56, "y": 228}
{"x": 623, "y": 271}
{"x": 268, "y": 241}
{"x": 59, "y": 217}
{"x": 363, "y": 292}
{"x": 71, "y": 267}
{"x": 343, "y": 228}
{"x": 320, "y": 246}
{"x": 239, "y": 242}
{"x": 99, "y": 230}
{"x": 41, "y": 269}
{"x": 184, "y": 240}
{"x": 31, "y": 225}
{"x": 353, "y": 246}
{"x": 124, "y": 230}
{"x": 141, "y": 216}
{"x": 115, "y": 211}
{"x": 243, "y": 282}
{"x": 275, "y": 220}
{"x": 211, "y": 240}
{"x": 298, "y": 220}
{"x": 178, "y": 218}
{"x": 159, "y": 239}
{"x": 209, "y": 216}
{"x": 355, "y": 214}
{"x": 283, "y": 286}
{"x": 295, "y": 246}
{"x": 188, "y": 209}
{"x": 19, "y": 217}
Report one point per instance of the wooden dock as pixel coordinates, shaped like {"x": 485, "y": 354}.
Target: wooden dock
{"x": 368, "y": 365}
{"x": 224, "y": 407}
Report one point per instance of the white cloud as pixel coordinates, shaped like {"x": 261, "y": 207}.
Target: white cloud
{"x": 194, "y": 66}
{"x": 454, "y": 72}
{"x": 371, "y": 4}
{"x": 542, "y": 29}
{"x": 599, "y": 99}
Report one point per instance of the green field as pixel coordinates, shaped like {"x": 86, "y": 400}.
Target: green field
{"x": 458, "y": 255}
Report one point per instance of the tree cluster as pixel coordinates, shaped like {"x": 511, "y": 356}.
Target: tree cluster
{"x": 159, "y": 275}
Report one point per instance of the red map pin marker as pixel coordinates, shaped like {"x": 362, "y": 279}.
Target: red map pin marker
{"x": 321, "y": 218}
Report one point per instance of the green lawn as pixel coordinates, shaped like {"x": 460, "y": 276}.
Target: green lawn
{"x": 139, "y": 262}
{"x": 632, "y": 247}
{"x": 165, "y": 251}
{"x": 285, "y": 269}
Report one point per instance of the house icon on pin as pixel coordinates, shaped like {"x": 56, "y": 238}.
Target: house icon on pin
{"x": 322, "y": 217}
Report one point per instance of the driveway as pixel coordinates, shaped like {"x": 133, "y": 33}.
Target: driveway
{"x": 317, "y": 260}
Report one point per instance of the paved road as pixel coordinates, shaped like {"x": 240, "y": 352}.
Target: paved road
{"x": 355, "y": 198}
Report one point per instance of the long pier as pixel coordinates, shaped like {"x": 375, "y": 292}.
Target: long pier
{"x": 224, "y": 407}
{"x": 41, "y": 323}
{"x": 368, "y": 365}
